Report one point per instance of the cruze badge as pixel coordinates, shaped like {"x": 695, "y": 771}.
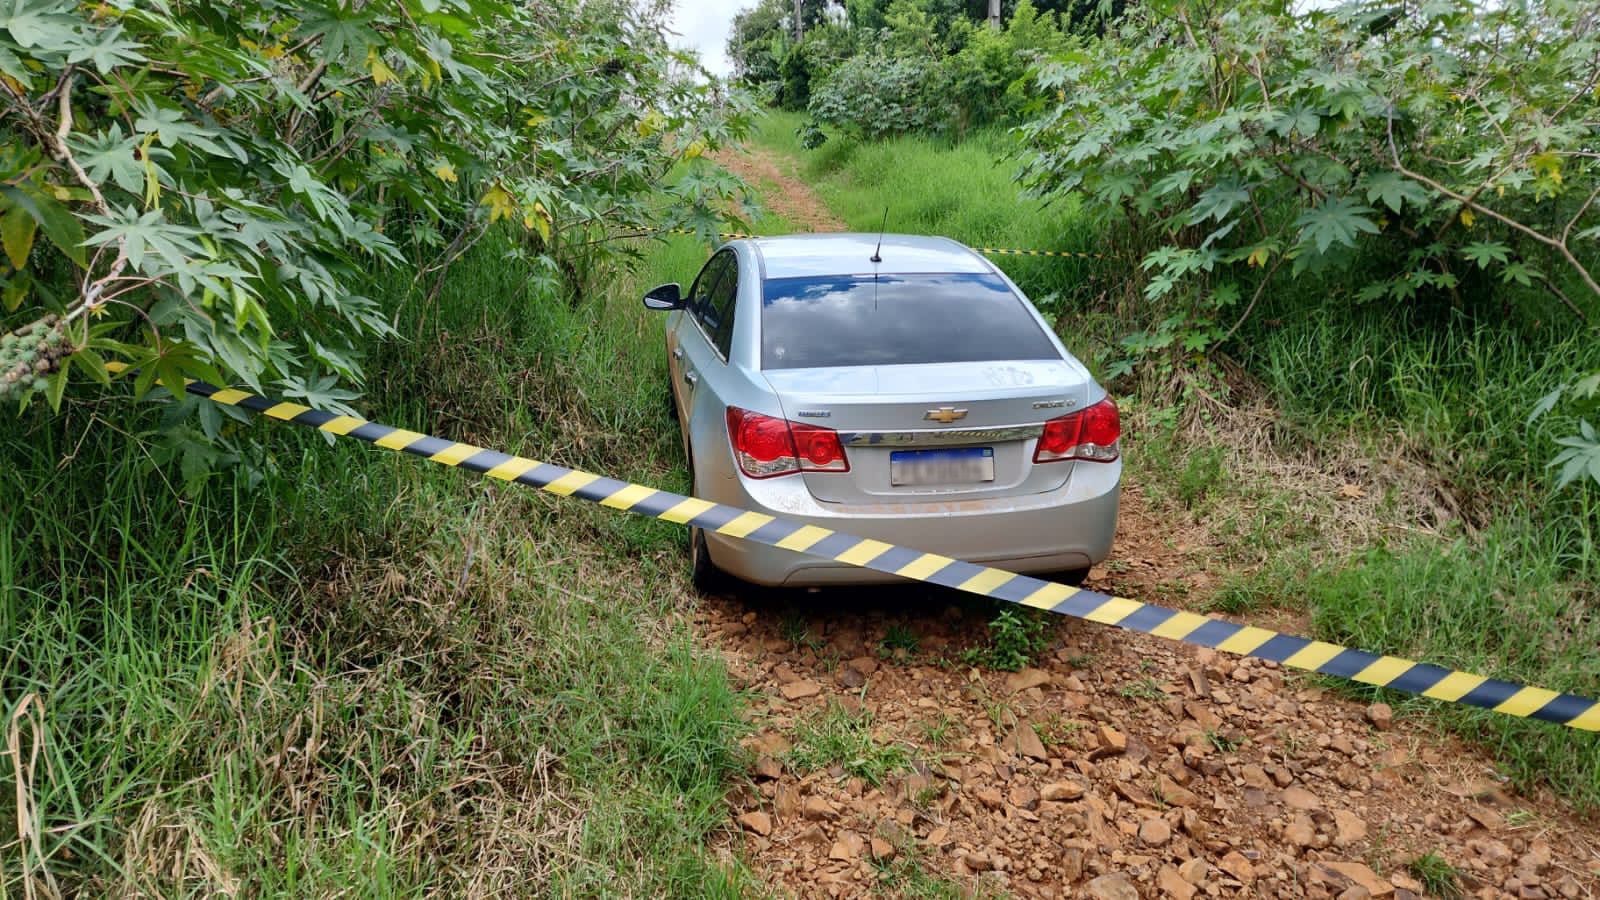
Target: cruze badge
{"x": 945, "y": 415}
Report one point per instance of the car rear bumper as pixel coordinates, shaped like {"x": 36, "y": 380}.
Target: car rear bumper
{"x": 1067, "y": 528}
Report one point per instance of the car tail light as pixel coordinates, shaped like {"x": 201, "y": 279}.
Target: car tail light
{"x": 1091, "y": 434}
{"x": 767, "y": 447}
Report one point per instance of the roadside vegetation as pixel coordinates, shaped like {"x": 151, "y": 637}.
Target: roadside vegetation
{"x": 336, "y": 670}
{"x": 241, "y": 659}
{"x": 1363, "y": 418}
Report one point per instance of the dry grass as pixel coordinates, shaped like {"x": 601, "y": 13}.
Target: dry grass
{"x": 1348, "y": 494}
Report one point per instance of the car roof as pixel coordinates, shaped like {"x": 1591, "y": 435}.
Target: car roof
{"x": 800, "y": 255}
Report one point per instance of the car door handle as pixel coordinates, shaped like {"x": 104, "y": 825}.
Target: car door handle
{"x": 690, "y": 376}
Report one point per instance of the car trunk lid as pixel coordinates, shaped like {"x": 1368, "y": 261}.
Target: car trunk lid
{"x": 934, "y": 432}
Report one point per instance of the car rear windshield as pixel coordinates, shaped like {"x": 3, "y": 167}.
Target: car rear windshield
{"x": 882, "y": 320}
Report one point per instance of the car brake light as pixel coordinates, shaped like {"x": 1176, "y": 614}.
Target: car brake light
{"x": 1092, "y": 435}
{"x": 767, "y": 447}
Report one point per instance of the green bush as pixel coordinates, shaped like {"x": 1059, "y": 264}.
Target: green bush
{"x": 906, "y": 67}
{"x": 1418, "y": 155}
{"x": 213, "y": 185}
{"x": 875, "y": 96}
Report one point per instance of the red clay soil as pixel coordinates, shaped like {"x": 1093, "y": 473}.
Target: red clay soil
{"x": 1122, "y": 766}
{"x": 786, "y": 195}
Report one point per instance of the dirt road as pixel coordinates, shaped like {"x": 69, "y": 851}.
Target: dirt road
{"x": 1121, "y": 767}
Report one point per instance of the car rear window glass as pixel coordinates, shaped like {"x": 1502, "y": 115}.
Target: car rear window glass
{"x": 867, "y": 320}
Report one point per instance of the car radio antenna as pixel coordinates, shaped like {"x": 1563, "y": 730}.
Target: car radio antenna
{"x": 876, "y": 256}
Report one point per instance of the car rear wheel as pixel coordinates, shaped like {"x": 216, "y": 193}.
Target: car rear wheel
{"x": 707, "y": 578}
{"x": 1070, "y": 577}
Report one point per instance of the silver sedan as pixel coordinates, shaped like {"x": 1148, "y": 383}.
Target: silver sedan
{"x": 900, "y": 388}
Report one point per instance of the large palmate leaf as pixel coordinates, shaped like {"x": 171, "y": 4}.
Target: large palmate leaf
{"x": 1336, "y": 220}
{"x": 220, "y": 185}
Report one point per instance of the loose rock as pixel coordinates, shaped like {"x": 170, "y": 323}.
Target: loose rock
{"x": 818, "y": 808}
{"x": 1115, "y": 886}
{"x": 1112, "y": 742}
{"x": 1155, "y": 832}
{"x": 1173, "y": 884}
{"x": 1062, "y": 790}
{"x": 1348, "y": 828}
{"x": 1360, "y": 874}
{"x": 847, "y": 847}
{"x": 1027, "y": 742}
{"x": 1300, "y": 798}
{"x": 757, "y": 821}
{"x": 799, "y": 690}
{"x": 1175, "y": 794}
{"x": 1027, "y": 678}
{"x": 1300, "y": 831}
{"x": 1236, "y": 865}
{"x": 1381, "y": 715}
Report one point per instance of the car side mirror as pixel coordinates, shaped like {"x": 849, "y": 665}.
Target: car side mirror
{"x": 666, "y": 296}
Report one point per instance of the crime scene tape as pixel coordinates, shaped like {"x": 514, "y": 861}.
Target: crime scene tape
{"x": 1002, "y": 251}
{"x": 1301, "y": 653}
{"x": 990, "y": 251}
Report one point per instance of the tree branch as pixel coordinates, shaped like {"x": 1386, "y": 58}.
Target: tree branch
{"x": 1551, "y": 287}
{"x": 1254, "y": 298}
{"x": 1558, "y": 244}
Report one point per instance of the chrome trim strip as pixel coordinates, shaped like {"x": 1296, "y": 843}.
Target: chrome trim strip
{"x": 940, "y": 436}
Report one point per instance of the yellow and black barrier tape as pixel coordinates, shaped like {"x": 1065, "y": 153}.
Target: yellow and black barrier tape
{"x": 1294, "y": 652}
{"x": 1006, "y": 251}
{"x": 988, "y": 251}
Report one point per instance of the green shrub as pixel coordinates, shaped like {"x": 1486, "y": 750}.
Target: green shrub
{"x": 1016, "y": 638}
{"x": 874, "y": 95}
{"x": 1377, "y": 154}
{"x": 211, "y": 188}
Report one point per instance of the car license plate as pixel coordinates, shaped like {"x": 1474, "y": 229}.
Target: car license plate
{"x": 967, "y": 465}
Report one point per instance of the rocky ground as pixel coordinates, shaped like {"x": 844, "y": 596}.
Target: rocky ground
{"x": 1121, "y": 766}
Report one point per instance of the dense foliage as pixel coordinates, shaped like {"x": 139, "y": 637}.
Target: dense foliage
{"x": 204, "y": 189}
{"x": 882, "y": 67}
{"x": 1439, "y": 154}
{"x": 1454, "y": 135}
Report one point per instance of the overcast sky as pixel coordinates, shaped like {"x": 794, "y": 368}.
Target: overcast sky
{"x": 703, "y": 25}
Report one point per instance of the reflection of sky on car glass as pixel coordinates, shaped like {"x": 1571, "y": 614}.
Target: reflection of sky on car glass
{"x": 894, "y": 320}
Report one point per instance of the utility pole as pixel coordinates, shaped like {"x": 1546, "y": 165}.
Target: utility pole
{"x": 994, "y": 13}
{"x": 799, "y": 22}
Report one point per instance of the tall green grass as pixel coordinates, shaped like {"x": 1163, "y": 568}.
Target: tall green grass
{"x": 337, "y": 670}
{"x": 1507, "y": 583}
{"x": 964, "y": 191}
{"x": 1511, "y": 586}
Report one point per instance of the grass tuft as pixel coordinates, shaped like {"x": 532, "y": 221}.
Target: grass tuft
{"x": 838, "y": 737}
{"x": 1439, "y": 878}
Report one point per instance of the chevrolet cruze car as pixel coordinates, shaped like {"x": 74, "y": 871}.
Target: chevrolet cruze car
{"x": 893, "y": 387}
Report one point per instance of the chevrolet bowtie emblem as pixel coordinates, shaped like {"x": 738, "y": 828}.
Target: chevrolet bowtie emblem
{"x": 945, "y": 414}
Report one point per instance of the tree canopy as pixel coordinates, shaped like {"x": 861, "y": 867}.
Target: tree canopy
{"x": 204, "y": 189}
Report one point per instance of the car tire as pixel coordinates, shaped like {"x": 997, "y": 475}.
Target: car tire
{"x": 707, "y": 578}
{"x": 704, "y": 574}
{"x": 1070, "y": 577}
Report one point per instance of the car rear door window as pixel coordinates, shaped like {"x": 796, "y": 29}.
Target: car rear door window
{"x": 724, "y": 302}
{"x": 711, "y": 300}
{"x": 868, "y": 320}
